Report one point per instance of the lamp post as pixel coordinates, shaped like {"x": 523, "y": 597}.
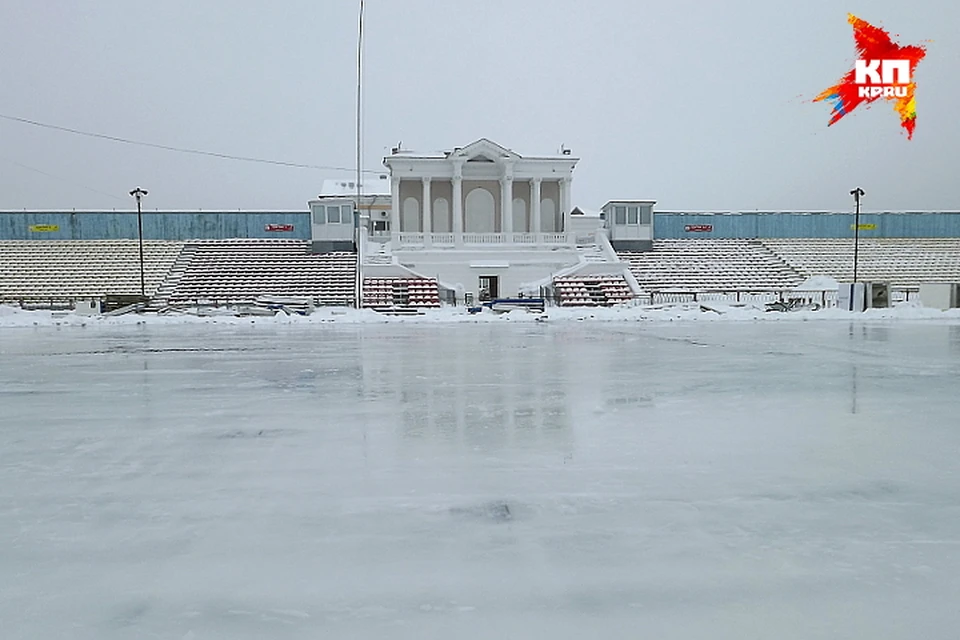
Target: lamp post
{"x": 358, "y": 219}
{"x": 359, "y": 237}
{"x": 856, "y": 193}
{"x": 138, "y": 193}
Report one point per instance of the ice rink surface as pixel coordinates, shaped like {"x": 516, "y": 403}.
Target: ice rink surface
{"x": 774, "y": 481}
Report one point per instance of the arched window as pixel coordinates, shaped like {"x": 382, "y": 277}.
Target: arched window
{"x": 441, "y": 215}
{"x": 480, "y": 211}
{"x": 410, "y": 220}
{"x": 548, "y": 215}
{"x": 520, "y": 215}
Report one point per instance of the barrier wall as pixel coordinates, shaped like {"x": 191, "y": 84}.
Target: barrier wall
{"x": 675, "y": 224}
{"x": 157, "y": 225}
{"x": 193, "y": 225}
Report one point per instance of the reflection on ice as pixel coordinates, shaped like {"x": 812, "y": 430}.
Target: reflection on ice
{"x": 479, "y": 481}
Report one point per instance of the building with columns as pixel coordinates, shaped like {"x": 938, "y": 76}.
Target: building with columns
{"x": 480, "y": 217}
{"x": 479, "y": 194}
{"x": 477, "y": 218}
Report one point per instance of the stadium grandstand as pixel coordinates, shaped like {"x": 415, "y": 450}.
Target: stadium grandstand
{"x": 475, "y": 222}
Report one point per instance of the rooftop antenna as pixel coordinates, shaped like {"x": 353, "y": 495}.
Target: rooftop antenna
{"x": 564, "y": 150}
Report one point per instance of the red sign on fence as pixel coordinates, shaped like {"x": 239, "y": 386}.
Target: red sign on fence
{"x": 278, "y": 227}
{"x": 698, "y": 227}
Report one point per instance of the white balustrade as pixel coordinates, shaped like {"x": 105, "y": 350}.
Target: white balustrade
{"x": 416, "y": 238}
{"x": 442, "y": 239}
{"x": 483, "y": 238}
{"x": 411, "y": 238}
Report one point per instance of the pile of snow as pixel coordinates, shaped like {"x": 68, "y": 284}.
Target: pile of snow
{"x": 684, "y": 312}
{"x": 818, "y": 283}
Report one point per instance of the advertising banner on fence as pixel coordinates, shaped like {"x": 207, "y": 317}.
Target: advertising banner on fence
{"x": 698, "y": 228}
{"x": 278, "y": 227}
{"x": 44, "y": 228}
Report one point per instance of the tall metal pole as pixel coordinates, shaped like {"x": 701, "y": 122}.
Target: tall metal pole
{"x": 856, "y": 193}
{"x": 138, "y": 193}
{"x": 359, "y": 219}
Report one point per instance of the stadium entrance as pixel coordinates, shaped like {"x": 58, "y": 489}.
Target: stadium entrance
{"x": 489, "y": 288}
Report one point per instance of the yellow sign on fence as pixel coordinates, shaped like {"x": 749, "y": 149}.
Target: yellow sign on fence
{"x": 864, "y": 227}
{"x": 40, "y": 228}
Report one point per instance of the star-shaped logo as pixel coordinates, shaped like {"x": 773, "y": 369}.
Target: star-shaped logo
{"x": 876, "y": 52}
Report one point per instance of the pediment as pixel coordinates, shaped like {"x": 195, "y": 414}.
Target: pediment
{"x": 484, "y": 150}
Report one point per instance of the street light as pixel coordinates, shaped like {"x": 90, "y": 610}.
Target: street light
{"x": 856, "y": 193}
{"x": 358, "y": 221}
{"x": 138, "y": 193}
{"x": 359, "y": 238}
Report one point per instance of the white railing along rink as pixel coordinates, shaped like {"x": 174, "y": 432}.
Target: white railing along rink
{"x": 825, "y": 299}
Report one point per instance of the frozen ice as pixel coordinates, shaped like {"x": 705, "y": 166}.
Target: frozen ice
{"x": 480, "y": 480}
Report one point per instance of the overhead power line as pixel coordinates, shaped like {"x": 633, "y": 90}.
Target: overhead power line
{"x": 199, "y": 152}
{"x": 62, "y": 179}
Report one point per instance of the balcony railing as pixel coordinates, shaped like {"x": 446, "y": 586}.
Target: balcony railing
{"x": 411, "y": 238}
{"x": 442, "y": 239}
{"x": 484, "y": 238}
{"x": 554, "y": 238}
{"x": 418, "y": 239}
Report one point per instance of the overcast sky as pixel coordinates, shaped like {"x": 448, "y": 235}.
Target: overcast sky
{"x": 696, "y": 104}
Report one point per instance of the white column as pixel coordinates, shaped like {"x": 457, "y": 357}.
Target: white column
{"x": 535, "y": 205}
{"x": 457, "y": 207}
{"x": 427, "y": 215}
{"x": 565, "y": 203}
{"x": 506, "y": 208}
{"x": 395, "y": 212}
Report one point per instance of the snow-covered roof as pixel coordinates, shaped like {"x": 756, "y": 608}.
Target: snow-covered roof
{"x": 587, "y": 213}
{"x": 409, "y": 153}
{"x": 378, "y": 185}
{"x": 614, "y": 202}
{"x": 483, "y": 146}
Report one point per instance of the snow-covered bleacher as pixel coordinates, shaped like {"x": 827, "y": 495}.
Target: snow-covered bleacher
{"x": 901, "y": 262}
{"x": 422, "y": 293}
{"x": 710, "y": 265}
{"x": 591, "y": 290}
{"x": 41, "y": 271}
{"x": 239, "y": 271}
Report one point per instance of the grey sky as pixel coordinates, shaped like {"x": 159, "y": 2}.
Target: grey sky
{"x": 697, "y": 104}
